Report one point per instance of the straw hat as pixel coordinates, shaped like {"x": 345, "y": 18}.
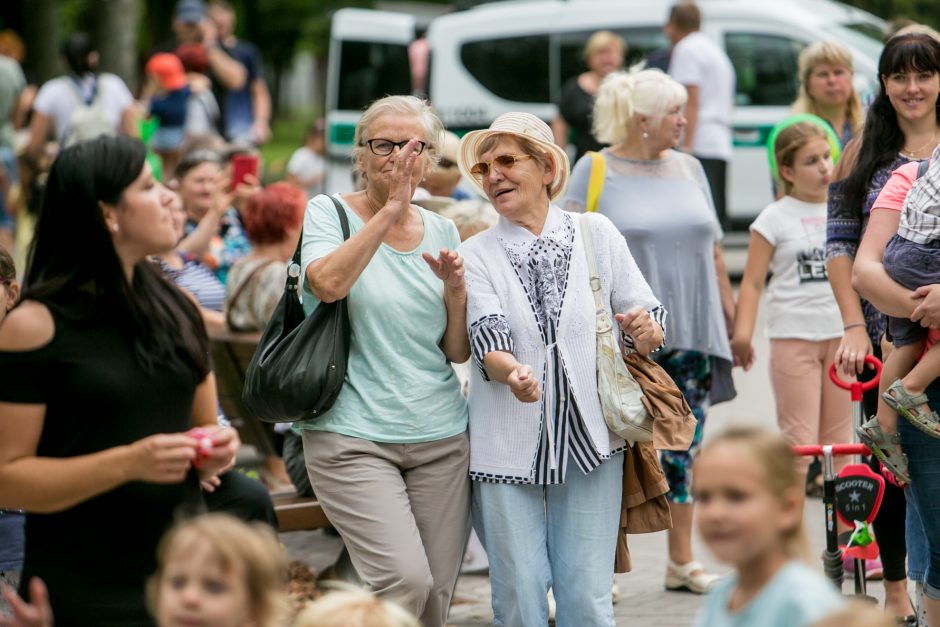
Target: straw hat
{"x": 523, "y": 125}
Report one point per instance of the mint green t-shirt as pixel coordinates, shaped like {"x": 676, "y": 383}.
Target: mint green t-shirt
{"x": 399, "y": 386}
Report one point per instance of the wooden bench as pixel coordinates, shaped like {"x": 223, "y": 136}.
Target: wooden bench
{"x": 231, "y": 354}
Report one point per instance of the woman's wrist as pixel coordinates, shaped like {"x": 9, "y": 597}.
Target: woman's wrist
{"x": 854, "y": 325}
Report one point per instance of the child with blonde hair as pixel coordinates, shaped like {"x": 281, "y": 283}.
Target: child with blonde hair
{"x": 749, "y": 513}
{"x": 217, "y": 569}
{"x": 354, "y": 607}
{"x": 211, "y": 570}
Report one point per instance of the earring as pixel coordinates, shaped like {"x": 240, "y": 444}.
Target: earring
{"x": 646, "y": 135}
{"x": 114, "y": 228}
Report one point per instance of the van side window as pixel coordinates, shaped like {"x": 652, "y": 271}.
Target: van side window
{"x": 640, "y": 42}
{"x": 766, "y": 68}
{"x": 513, "y": 68}
{"x": 370, "y": 70}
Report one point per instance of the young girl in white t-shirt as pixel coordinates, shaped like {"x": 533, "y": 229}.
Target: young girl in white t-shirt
{"x": 803, "y": 321}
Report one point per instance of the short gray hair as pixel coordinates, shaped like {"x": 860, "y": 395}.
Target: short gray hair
{"x": 402, "y": 105}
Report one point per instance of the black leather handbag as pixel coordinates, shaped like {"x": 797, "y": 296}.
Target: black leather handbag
{"x": 298, "y": 370}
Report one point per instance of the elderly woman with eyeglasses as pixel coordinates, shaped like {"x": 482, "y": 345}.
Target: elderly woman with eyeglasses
{"x": 547, "y": 473}
{"x": 388, "y": 461}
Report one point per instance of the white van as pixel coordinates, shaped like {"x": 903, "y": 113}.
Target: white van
{"x": 515, "y": 56}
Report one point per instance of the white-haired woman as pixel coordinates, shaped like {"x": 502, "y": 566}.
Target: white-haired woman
{"x": 660, "y": 201}
{"x": 826, "y": 88}
{"x": 547, "y": 477}
{"x": 389, "y": 459}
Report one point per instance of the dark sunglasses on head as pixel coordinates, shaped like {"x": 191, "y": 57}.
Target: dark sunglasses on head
{"x": 503, "y": 162}
{"x": 384, "y": 147}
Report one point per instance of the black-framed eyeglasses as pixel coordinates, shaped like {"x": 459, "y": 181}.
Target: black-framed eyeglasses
{"x": 384, "y": 147}
{"x": 482, "y": 169}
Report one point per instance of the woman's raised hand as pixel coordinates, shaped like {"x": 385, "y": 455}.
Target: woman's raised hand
{"x": 646, "y": 333}
{"x": 855, "y": 345}
{"x": 523, "y": 384}
{"x": 448, "y": 267}
{"x": 401, "y": 178}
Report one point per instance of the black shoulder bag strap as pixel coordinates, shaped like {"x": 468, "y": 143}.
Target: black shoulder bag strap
{"x": 293, "y": 271}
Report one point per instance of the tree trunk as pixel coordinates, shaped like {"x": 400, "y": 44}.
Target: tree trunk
{"x": 117, "y": 24}
{"x": 41, "y": 34}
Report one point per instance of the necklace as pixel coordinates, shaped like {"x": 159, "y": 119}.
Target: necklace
{"x": 912, "y": 153}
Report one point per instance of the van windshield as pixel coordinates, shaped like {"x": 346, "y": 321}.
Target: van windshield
{"x": 370, "y": 70}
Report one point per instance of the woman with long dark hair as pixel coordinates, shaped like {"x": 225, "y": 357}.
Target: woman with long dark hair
{"x": 902, "y": 126}
{"x": 105, "y": 368}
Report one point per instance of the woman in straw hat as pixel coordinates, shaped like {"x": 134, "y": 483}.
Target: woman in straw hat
{"x": 659, "y": 200}
{"x": 389, "y": 459}
{"x": 545, "y": 468}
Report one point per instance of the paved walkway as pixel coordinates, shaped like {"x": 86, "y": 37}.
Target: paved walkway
{"x": 643, "y": 600}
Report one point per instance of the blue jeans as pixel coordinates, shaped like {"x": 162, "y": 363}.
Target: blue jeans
{"x": 923, "y": 454}
{"x": 916, "y": 540}
{"x": 559, "y": 536}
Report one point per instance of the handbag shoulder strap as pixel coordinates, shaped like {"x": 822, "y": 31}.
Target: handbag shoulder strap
{"x": 585, "y": 225}
{"x": 293, "y": 270}
{"x": 596, "y": 182}
{"x": 241, "y": 289}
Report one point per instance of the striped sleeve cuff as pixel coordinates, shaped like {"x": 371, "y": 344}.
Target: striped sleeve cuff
{"x": 488, "y": 334}
{"x": 658, "y": 314}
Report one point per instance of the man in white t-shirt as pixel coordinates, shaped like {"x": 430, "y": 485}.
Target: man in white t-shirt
{"x": 706, "y": 71}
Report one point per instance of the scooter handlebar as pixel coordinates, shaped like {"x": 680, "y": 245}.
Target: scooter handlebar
{"x": 870, "y": 360}
{"x": 812, "y": 450}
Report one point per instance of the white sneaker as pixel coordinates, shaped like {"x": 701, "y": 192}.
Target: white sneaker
{"x": 551, "y": 607}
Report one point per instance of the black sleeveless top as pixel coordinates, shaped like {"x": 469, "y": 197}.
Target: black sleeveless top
{"x": 96, "y": 556}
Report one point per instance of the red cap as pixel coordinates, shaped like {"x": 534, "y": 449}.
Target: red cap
{"x": 168, "y": 69}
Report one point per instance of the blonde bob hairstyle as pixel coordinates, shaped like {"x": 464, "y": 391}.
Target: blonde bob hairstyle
{"x": 625, "y": 95}
{"x": 835, "y": 54}
{"x": 401, "y": 105}
{"x": 251, "y": 550}
{"x": 604, "y": 39}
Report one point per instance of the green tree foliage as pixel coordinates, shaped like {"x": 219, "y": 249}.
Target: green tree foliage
{"x": 923, "y": 11}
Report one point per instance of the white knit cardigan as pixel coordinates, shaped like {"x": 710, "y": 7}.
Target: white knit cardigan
{"x": 504, "y": 433}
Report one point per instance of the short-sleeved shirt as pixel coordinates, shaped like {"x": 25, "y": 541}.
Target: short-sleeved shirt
{"x": 170, "y": 108}
{"x": 98, "y": 396}
{"x": 800, "y": 301}
{"x": 237, "y": 111}
{"x": 796, "y": 596}
{"x": 697, "y": 60}
{"x": 399, "y": 386}
{"x": 894, "y": 192}
{"x": 59, "y": 97}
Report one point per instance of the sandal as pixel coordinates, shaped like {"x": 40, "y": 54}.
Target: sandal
{"x": 884, "y": 446}
{"x": 909, "y": 406}
{"x": 682, "y": 577}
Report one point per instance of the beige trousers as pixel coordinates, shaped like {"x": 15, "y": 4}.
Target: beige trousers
{"x": 403, "y": 511}
{"x": 810, "y": 408}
